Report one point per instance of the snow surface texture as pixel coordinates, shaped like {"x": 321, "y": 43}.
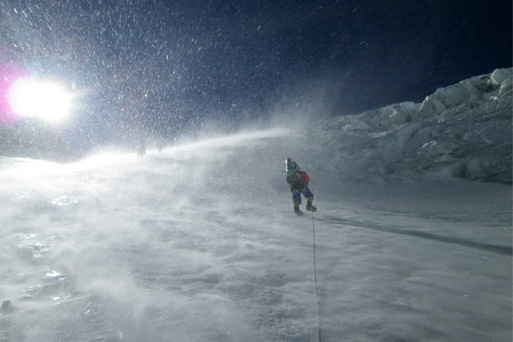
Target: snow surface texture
{"x": 461, "y": 131}
{"x": 200, "y": 243}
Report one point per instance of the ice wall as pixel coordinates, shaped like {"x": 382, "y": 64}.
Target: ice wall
{"x": 460, "y": 131}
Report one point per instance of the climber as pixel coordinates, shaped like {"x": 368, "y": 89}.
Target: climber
{"x": 298, "y": 181}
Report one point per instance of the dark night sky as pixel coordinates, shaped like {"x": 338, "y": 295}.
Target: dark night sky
{"x": 165, "y": 65}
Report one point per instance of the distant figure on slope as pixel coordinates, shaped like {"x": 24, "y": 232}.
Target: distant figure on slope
{"x": 141, "y": 150}
{"x": 161, "y": 143}
{"x": 298, "y": 181}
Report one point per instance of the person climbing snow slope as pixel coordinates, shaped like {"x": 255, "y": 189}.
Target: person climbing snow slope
{"x": 298, "y": 181}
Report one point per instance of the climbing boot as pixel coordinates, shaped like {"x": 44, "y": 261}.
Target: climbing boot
{"x": 309, "y": 205}
{"x": 296, "y": 210}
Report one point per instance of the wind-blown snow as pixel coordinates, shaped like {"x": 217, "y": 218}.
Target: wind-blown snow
{"x": 200, "y": 243}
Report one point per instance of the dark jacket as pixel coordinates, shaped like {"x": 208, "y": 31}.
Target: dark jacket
{"x": 296, "y": 182}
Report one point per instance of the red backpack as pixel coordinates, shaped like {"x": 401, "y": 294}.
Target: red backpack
{"x": 305, "y": 177}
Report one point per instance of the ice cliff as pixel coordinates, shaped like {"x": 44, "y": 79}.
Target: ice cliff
{"x": 460, "y": 131}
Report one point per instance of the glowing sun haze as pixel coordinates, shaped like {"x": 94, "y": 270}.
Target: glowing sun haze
{"x": 45, "y": 100}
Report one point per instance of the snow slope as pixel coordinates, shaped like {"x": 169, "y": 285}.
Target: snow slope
{"x": 199, "y": 243}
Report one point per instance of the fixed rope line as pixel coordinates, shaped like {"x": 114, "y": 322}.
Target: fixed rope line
{"x": 315, "y": 277}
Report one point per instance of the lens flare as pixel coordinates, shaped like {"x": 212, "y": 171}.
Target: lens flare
{"x": 41, "y": 99}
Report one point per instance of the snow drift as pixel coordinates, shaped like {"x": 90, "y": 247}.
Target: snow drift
{"x": 199, "y": 243}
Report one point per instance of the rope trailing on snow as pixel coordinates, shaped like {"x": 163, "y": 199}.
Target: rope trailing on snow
{"x": 315, "y": 277}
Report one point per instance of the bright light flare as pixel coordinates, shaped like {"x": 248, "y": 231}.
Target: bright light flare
{"x": 44, "y": 100}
